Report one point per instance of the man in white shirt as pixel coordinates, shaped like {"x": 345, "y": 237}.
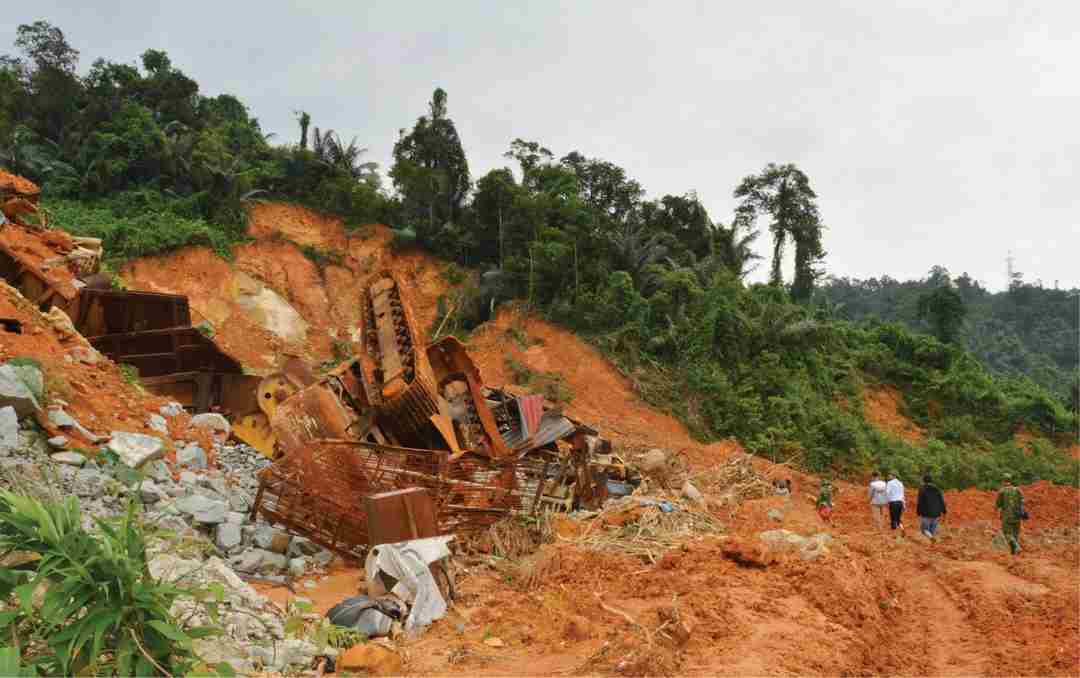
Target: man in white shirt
{"x": 894, "y": 493}
{"x": 878, "y": 499}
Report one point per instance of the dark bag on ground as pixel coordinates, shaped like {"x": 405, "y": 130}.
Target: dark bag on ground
{"x": 369, "y": 616}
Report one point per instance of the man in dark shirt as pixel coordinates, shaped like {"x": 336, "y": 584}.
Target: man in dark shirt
{"x": 930, "y": 508}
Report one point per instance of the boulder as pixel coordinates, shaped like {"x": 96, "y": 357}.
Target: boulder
{"x": 191, "y": 456}
{"x": 135, "y": 449}
{"x": 203, "y": 510}
{"x": 213, "y": 422}
{"x": 32, "y": 376}
{"x": 16, "y": 394}
{"x": 9, "y": 430}
{"x": 188, "y": 479}
{"x": 69, "y": 458}
{"x": 157, "y": 423}
{"x": 58, "y": 442}
{"x": 236, "y": 518}
{"x": 61, "y": 419}
{"x": 227, "y": 536}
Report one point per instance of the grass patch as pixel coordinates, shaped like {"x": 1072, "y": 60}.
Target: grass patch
{"x": 128, "y": 233}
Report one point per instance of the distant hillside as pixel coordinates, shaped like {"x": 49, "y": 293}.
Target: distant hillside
{"x": 1029, "y": 330}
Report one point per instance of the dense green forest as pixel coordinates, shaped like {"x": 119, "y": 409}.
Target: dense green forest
{"x": 1027, "y": 330}
{"x": 138, "y": 156}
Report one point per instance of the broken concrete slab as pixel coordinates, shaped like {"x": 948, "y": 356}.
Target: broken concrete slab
{"x": 136, "y": 449}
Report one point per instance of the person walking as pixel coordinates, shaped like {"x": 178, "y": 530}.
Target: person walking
{"x": 894, "y": 493}
{"x": 930, "y": 507}
{"x": 878, "y": 499}
{"x": 1010, "y": 504}
{"x": 824, "y": 501}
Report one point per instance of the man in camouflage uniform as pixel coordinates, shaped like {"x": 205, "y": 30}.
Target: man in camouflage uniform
{"x": 1010, "y": 504}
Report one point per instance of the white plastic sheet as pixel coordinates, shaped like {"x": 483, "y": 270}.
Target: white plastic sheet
{"x": 407, "y": 562}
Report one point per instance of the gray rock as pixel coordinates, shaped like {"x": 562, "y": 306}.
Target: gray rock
{"x": 172, "y": 409}
{"x": 215, "y": 483}
{"x": 9, "y": 429}
{"x": 227, "y": 536}
{"x": 302, "y": 546}
{"x": 90, "y": 482}
{"x": 158, "y": 423}
{"x": 136, "y": 449}
{"x": 239, "y": 502}
{"x": 151, "y": 493}
{"x": 271, "y": 539}
{"x": 159, "y": 471}
{"x": 85, "y": 354}
{"x": 58, "y": 442}
{"x": 297, "y": 653}
{"x": 188, "y": 479}
{"x": 692, "y": 493}
{"x": 323, "y": 558}
{"x": 297, "y": 566}
{"x": 191, "y": 456}
{"x": 15, "y": 393}
{"x": 33, "y": 378}
{"x": 237, "y": 518}
{"x": 213, "y": 422}
{"x": 654, "y": 460}
{"x": 203, "y": 510}
{"x": 174, "y": 490}
{"x": 260, "y": 561}
{"x": 776, "y": 514}
{"x": 69, "y": 458}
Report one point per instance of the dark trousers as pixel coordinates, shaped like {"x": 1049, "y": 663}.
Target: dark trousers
{"x": 896, "y": 509}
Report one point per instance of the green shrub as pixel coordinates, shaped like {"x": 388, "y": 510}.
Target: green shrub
{"x": 101, "y": 612}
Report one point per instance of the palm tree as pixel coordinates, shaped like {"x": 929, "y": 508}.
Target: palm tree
{"x": 733, "y": 248}
{"x": 636, "y": 248}
{"x": 329, "y": 148}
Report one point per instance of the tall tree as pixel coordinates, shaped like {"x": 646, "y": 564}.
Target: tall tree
{"x": 493, "y": 203}
{"x": 305, "y": 121}
{"x": 430, "y": 170}
{"x": 783, "y": 192}
{"x": 48, "y": 74}
{"x": 944, "y": 310}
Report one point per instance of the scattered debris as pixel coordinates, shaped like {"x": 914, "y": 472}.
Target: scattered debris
{"x": 403, "y": 570}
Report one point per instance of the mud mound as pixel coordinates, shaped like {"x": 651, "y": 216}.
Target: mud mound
{"x": 883, "y": 407}
{"x": 44, "y": 251}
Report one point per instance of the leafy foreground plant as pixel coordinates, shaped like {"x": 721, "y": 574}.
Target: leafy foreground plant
{"x": 102, "y": 613}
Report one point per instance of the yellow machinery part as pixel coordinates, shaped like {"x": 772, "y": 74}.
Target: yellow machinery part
{"x": 254, "y": 427}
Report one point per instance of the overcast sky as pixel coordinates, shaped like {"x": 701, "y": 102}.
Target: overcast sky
{"x": 934, "y": 133}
